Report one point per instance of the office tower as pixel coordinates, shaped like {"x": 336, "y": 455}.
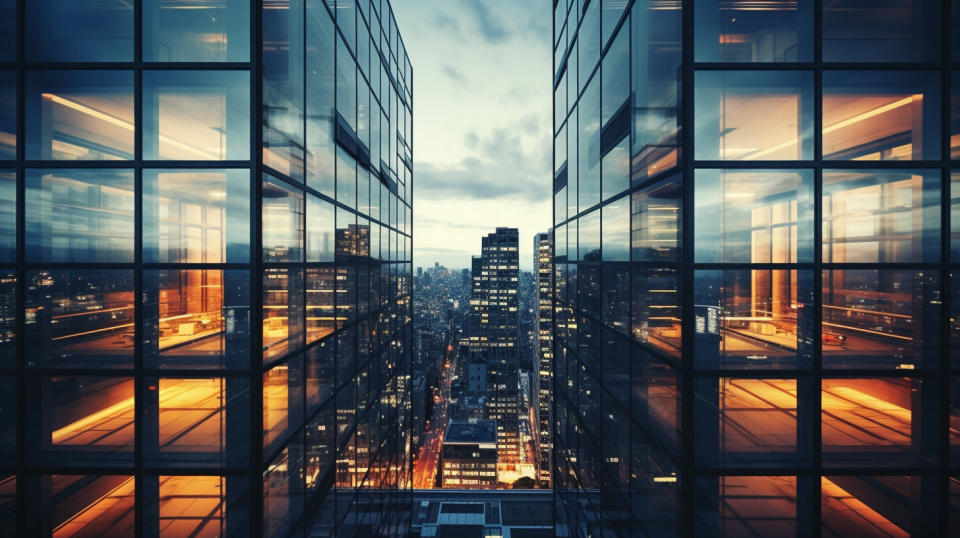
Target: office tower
{"x": 468, "y": 459}
{"x": 205, "y": 250}
{"x": 755, "y": 247}
{"x": 493, "y": 342}
{"x": 543, "y": 287}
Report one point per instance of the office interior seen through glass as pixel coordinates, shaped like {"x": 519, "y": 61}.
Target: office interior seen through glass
{"x": 755, "y": 246}
{"x": 205, "y": 244}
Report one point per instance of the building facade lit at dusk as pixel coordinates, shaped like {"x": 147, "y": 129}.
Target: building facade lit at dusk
{"x": 205, "y": 244}
{"x": 756, "y": 238}
{"x": 543, "y": 287}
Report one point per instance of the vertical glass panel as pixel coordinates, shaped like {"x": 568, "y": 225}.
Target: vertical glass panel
{"x": 79, "y": 318}
{"x": 80, "y": 420}
{"x": 612, "y": 11}
{"x": 196, "y": 115}
{"x": 79, "y": 215}
{"x": 320, "y": 99}
{"x": 616, "y": 230}
{"x": 8, "y": 422}
{"x": 283, "y": 87}
{"x": 881, "y": 116}
{"x": 752, "y": 422}
{"x": 79, "y": 31}
{"x": 197, "y": 31}
{"x": 754, "y": 319}
{"x": 346, "y": 296}
{"x": 8, "y": 215}
{"x": 283, "y": 489}
{"x": 761, "y": 31}
{"x": 282, "y": 400}
{"x": 573, "y": 183}
{"x": 656, "y": 309}
{"x": 884, "y": 319}
{"x": 655, "y": 221}
{"x": 346, "y": 234}
{"x": 616, "y": 169}
{"x": 346, "y": 178}
{"x": 363, "y": 194}
{"x": 589, "y": 40}
{"x": 320, "y": 230}
{"x": 8, "y": 30}
{"x": 346, "y": 85}
{"x": 79, "y": 115}
{"x": 751, "y": 506}
{"x": 753, "y": 216}
{"x": 560, "y": 206}
{"x": 283, "y": 311}
{"x": 753, "y": 115}
{"x": 560, "y": 102}
{"x": 196, "y": 422}
{"x": 880, "y": 216}
{"x": 589, "y": 146}
{"x": 8, "y": 500}
{"x": 346, "y": 13}
{"x": 953, "y": 327}
{"x": 589, "y": 243}
{"x": 954, "y": 435}
{"x": 320, "y": 297}
{"x": 881, "y": 31}
{"x": 190, "y": 505}
{"x": 8, "y": 320}
{"x": 8, "y": 113}
{"x": 656, "y": 58}
{"x": 888, "y": 506}
{"x": 616, "y": 73}
{"x": 560, "y": 152}
{"x": 83, "y": 505}
{"x": 955, "y": 103}
{"x": 879, "y": 422}
{"x": 319, "y": 375}
{"x": 573, "y": 90}
{"x": 282, "y": 222}
{"x": 196, "y": 319}
{"x": 196, "y": 216}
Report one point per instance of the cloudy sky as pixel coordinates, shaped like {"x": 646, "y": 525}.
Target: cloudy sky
{"x": 481, "y": 108}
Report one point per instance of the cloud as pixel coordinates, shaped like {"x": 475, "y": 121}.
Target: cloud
{"x": 445, "y": 22}
{"x": 452, "y": 72}
{"x": 491, "y": 28}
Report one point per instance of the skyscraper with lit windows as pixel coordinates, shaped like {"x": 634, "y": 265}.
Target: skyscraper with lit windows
{"x": 543, "y": 287}
{"x": 755, "y": 249}
{"x": 205, "y": 237}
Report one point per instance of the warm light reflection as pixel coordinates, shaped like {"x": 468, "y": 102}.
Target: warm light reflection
{"x": 191, "y": 506}
{"x": 844, "y": 514}
{"x": 102, "y": 506}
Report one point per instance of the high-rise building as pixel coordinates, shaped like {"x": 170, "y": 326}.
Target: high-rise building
{"x": 543, "y": 287}
{"x": 205, "y": 243}
{"x": 493, "y": 341}
{"x": 755, "y": 234}
{"x": 468, "y": 459}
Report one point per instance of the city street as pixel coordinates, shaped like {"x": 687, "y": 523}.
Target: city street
{"x": 425, "y": 465}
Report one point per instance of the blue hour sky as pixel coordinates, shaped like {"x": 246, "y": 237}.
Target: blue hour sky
{"x": 482, "y": 119}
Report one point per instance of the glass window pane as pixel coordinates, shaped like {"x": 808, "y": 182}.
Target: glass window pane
{"x": 78, "y": 505}
{"x": 8, "y": 320}
{"x": 8, "y": 419}
{"x": 589, "y": 240}
{"x": 346, "y": 234}
{"x": 876, "y": 115}
{"x": 753, "y": 216}
{"x": 955, "y": 107}
{"x": 320, "y": 297}
{"x": 196, "y": 216}
{"x": 751, "y": 506}
{"x": 346, "y": 85}
{"x": 656, "y": 59}
{"x": 8, "y": 215}
{"x": 612, "y": 11}
{"x": 197, "y": 31}
{"x": 881, "y": 31}
{"x": 79, "y": 31}
{"x": 192, "y": 505}
{"x": 759, "y": 31}
{"x": 79, "y": 318}
{"x": 81, "y": 420}
{"x": 655, "y": 221}
{"x": 753, "y": 115}
{"x": 616, "y": 230}
{"x": 849, "y": 507}
{"x": 320, "y": 371}
{"x": 282, "y": 400}
{"x": 8, "y": 30}
{"x": 754, "y": 319}
{"x": 8, "y": 114}
{"x": 589, "y": 146}
{"x": 196, "y": 115}
{"x": 870, "y": 422}
{"x": 196, "y": 422}
{"x": 82, "y": 216}
{"x": 283, "y": 311}
{"x": 320, "y": 99}
{"x": 589, "y": 42}
{"x": 320, "y": 230}
{"x": 346, "y": 295}
{"x": 573, "y": 183}
{"x": 880, "y": 216}
{"x": 884, "y": 319}
{"x": 282, "y": 222}
{"x": 616, "y": 74}
{"x": 283, "y": 87}
{"x": 616, "y": 169}
{"x": 79, "y": 115}
{"x": 346, "y": 178}
{"x": 196, "y": 319}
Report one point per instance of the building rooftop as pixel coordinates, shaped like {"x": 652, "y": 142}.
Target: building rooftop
{"x": 462, "y": 432}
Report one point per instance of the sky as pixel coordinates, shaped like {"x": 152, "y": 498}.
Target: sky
{"x": 482, "y": 107}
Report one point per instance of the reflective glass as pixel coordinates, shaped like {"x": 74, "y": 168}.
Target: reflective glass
{"x": 8, "y": 30}
{"x": 196, "y": 319}
{"x": 612, "y": 10}
{"x": 954, "y": 326}
{"x": 572, "y": 164}
{"x": 191, "y": 505}
{"x": 81, "y": 216}
{"x": 955, "y": 108}
{"x": 615, "y": 169}
{"x": 79, "y": 31}
{"x": 560, "y": 101}
{"x": 589, "y": 239}
{"x": 346, "y": 295}
{"x": 8, "y": 320}
{"x": 283, "y": 311}
{"x": 8, "y": 114}
{"x": 8, "y": 417}
{"x": 753, "y": 216}
{"x": 753, "y": 115}
{"x": 884, "y": 319}
{"x": 282, "y": 222}
{"x": 283, "y": 87}
{"x": 320, "y": 288}
{"x": 616, "y": 230}
{"x": 8, "y": 215}
{"x": 283, "y": 489}
{"x": 616, "y": 74}
{"x": 79, "y": 505}
{"x": 320, "y": 230}
{"x": 282, "y": 400}
{"x": 196, "y": 115}
{"x": 346, "y": 85}
{"x": 319, "y": 377}
{"x": 79, "y": 318}
{"x": 879, "y": 422}
{"x": 346, "y": 178}
{"x": 881, "y": 216}
{"x": 589, "y": 42}
{"x": 655, "y": 221}
{"x": 346, "y": 234}
{"x": 754, "y": 319}
{"x": 848, "y": 507}
{"x": 751, "y": 506}
{"x": 79, "y": 115}
{"x": 320, "y": 99}
{"x": 881, "y": 31}
{"x": 758, "y": 31}
{"x": 877, "y": 115}
{"x": 197, "y": 31}
{"x": 81, "y": 420}
{"x": 589, "y": 146}
{"x": 196, "y": 216}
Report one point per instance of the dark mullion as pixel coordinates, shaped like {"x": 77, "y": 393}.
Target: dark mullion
{"x": 256, "y": 272}
{"x": 140, "y": 396}
{"x": 21, "y": 393}
{"x": 816, "y": 402}
{"x": 943, "y": 378}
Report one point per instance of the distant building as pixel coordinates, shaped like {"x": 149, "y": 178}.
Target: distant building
{"x": 468, "y": 458}
{"x": 419, "y": 272}
{"x": 543, "y": 286}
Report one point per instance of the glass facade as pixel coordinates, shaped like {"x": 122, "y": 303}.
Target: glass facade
{"x": 754, "y": 333}
{"x": 205, "y": 268}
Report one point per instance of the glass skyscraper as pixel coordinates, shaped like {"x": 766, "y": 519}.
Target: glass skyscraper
{"x": 205, "y": 237}
{"x": 756, "y": 239}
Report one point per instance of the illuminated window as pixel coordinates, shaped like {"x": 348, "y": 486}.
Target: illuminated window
{"x": 84, "y": 505}
{"x": 848, "y": 507}
{"x": 754, "y": 31}
{"x": 282, "y": 400}
{"x": 283, "y": 311}
{"x": 196, "y": 31}
{"x": 282, "y": 222}
{"x": 749, "y": 506}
